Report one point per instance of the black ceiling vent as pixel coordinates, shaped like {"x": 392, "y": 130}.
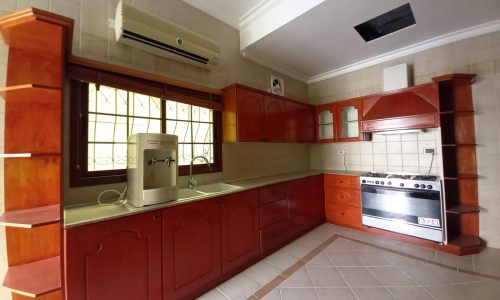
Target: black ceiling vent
{"x": 386, "y": 23}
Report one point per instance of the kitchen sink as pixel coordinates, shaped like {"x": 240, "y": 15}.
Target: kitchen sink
{"x": 218, "y": 187}
{"x": 188, "y": 193}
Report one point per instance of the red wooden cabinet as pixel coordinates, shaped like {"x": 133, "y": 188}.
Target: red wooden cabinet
{"x": 300, "y": 122}
{"x": 250, "y": 116}
{"x": 275, "y": 121}
{"x": 349, "y": 120}
{"x": 239, "y": 229}
{"x": 115, "y": 259}
{"x": 191, "y": 248}
{"x": 306, "y": 200}
{"x": 343, "y": 200}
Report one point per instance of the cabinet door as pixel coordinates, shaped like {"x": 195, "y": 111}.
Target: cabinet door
{"x": 191, "y": 246}
{"x": 239, "y": 229}
{"x": 116, "y": 259}
{"x": 250, "y": 115}
{"x": 349, "y": 120}
{"x": 317, "y": 200}
{"x": 297, "y": 194}
{"x": 326, "y": 123}
{"x": 300, "y": 122}
{"x": 275, "y": 125}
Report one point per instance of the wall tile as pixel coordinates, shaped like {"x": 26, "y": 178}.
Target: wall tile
{"x": 366, "y": 147}
{"x": 410, "y": 147}
{"x": 379, "y": 159}
{"x": 42, "y": 4}
{"x": 410, "y": 160}
{"x": 429, "y": 135}
{"x": 408, "y": 169}
{"x": 367, "y": 159}
{"x": 379, "y": 148}
{"x": 393, "y": 147}
{"x": 393, "y": 137}
{"x": 394, "y": 160}
{"x": 378, "y": 138}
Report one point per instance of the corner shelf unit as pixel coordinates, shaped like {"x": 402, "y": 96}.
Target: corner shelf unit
{"x": 38, "y": 42}
{"x": 459, "y": 163}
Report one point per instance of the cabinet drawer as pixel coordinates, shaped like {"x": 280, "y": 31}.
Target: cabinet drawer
{"x": 273, "y": 212}
{"x": 274, "y": 235}
{"x": 343, "y": 215}
{"x": 341, "y": 196}
{"x": 341, "y": 181}
{"x": 272, "y": 193}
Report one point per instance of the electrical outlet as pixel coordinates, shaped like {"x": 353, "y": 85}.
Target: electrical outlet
{"x": 429, "y": 151}
{"x": 342, "y": 151}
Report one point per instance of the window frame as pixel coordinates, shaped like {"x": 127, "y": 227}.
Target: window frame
{"x": 79, "y": 174}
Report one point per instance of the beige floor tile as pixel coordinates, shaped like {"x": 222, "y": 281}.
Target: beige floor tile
{"x": 488, "y": 262}
{"x": 299, "y": 279}
{"x": 409, "y": 293}
{"x": 461, "y": 262}
{"x": 372, "y": 293}
{"x": 372, "y": 258}
{"x": 419, "y": 252}
{"x": 298, "y": 250}
{"x": 489, "y": 289}
{"x": 326, "y": 277}
{"x": 273, "y": 295}
{"x": 335, "y": 294}
{"x": 358, "y": 276}
{"x": 337, "y": 246}
{"x": 454, "y": 276}
{"x": 262, "y": 272}
{"x": 344, "y": 259}
{"x": 213, "y": 295}
{"x": 239, "y": 287}
{"x": 424, "y": 275}
{"x": 298, "y": 294}
{"x": 281, "y": 260}
{"x": 391, "y": 276}
{"x": 320, "y": 260}
{"x": 447, "y": 292}
{"x": 356, "y": 246}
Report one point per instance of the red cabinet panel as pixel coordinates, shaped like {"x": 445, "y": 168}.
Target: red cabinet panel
{"x": 272, "y": 193}
{"x": 191, "y": 261}
{"x": 273, "y": 212}
{"x": 239, "y": 229}
{"x": 274, "y": 236}
{"x": 300, "y": 122}
{"x": 275, "y": 125}
{"x": 114, "y": 260}
{"x": 250, "y": 115}
{"x": 306, "y": 203}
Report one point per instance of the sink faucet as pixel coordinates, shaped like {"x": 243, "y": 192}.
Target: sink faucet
{"x": 192, "y": 182}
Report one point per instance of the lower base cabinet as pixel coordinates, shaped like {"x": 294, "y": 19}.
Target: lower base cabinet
{"x": 343, "y": 200}
{"x": 114, "y": 260}
{"x": 307, "y": 204}
{"x": 206, "y": 239}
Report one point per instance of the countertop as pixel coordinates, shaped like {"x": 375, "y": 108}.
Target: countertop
{"x": 86, "y": 214}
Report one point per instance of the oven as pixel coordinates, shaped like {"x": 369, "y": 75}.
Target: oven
{"x": 408, "y": 206}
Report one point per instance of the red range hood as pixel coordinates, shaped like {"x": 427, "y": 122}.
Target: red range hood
{"x": 412, "y": 108}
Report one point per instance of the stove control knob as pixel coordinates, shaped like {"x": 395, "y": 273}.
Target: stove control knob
{"x": 382, "y": 183}
{"x": 416, "y": 185}
{"x": 389, "y": 183}
{"x": 363, "y": 181}
{"x": 429, "y": 186}
{"x": 377, "y": 182}
{"x": 422, "y": 186}
{"x": 401, "y": 184}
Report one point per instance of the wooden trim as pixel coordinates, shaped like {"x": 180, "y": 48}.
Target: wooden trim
{"x": 31, "y": 217}
{"x": 85, "y": 62}
{"x": 265, "y": 93}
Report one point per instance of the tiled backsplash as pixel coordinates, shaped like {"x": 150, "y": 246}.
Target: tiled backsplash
{"x": 402, "y": 152}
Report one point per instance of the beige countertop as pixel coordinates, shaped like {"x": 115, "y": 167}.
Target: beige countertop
{"x": 80, "y": 215}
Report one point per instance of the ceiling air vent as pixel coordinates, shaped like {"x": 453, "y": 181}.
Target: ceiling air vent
{"x": 389, "y": 22}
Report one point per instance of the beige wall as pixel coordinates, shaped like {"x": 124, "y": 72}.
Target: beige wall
{"x": 479, "y": 55}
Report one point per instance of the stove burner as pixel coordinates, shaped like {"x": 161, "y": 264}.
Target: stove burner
{"x": 401, "y": 176}
{"x": 425, "y": 177}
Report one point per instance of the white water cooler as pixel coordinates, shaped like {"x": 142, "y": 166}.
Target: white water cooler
{"x": 151, "y": 169}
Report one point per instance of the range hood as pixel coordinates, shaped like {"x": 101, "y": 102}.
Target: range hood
{"x": 411, "y": 108}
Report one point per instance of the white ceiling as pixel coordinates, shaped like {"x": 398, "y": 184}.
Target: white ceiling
{"x": 319, "y": 41}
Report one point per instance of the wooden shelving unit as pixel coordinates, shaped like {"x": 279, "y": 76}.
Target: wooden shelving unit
{"x": 459, "y": 163}
{"x": 38, "y": 42}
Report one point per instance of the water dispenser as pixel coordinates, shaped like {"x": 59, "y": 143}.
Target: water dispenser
{"x": 152, "y": 169}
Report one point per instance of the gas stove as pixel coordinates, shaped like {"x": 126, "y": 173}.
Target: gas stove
{"x": 402, "y": 180}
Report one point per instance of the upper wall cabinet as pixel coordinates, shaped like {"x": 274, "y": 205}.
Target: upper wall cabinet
{"x": 251, "y": 115}
{"x": 339, "y": 121}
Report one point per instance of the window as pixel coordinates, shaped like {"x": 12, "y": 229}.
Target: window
{"x": 103, "y": 116}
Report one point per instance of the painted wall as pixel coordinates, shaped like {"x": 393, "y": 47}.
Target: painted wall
{"x": 479, "y": 55}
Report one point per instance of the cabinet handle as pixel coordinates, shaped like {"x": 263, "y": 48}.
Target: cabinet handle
{"x": 156, "y": 217}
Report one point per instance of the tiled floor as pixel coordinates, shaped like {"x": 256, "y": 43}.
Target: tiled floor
{"x": 333, "y": 262}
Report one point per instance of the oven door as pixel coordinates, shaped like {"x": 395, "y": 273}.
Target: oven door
{"x": 413, "y": 212}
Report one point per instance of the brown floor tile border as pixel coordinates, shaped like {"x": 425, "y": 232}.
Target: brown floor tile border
{"x": 262, "y": 292}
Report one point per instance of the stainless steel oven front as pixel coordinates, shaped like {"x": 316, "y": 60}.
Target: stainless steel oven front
{"x": 406, "y": 207}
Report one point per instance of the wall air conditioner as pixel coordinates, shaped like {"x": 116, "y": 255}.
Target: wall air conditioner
{"x": 144, "y": 31}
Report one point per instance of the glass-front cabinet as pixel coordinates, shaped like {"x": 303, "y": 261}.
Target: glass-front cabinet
{"x": 326, "y": 123}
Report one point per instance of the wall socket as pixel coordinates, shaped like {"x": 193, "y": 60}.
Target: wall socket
{"x": 429, "y": 150}
{"x": 342, "y": 151}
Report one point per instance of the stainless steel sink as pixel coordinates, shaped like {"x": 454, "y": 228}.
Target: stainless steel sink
{"x": 212, "y": 189}
{"x": 218, "y": 187}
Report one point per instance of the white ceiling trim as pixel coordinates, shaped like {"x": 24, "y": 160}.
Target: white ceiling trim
{"x": 270, "y": 17}
{"x": 425, "y": 45}
{"x": 278, "y": 68}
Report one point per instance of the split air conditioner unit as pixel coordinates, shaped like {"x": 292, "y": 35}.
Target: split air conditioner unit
{"x": 144, "y": 31}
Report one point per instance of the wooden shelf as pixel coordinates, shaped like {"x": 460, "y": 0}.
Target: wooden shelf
{"x": 32, "y": 217}
{"x": 31, "y": 92}
{"x": 463, "y": 209}
{"x": 461, "y": 176}
{"x": 456, "y": 112}
{"x": 463, "y": 245}
{"x": 36, "y": 278}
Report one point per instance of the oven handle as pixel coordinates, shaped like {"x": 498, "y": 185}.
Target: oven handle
{"x": 364, "y": 188}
